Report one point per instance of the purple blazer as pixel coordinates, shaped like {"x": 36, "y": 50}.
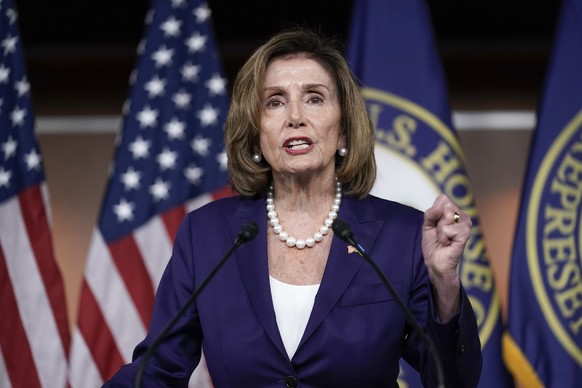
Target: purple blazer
{"x": 356, "y": 333}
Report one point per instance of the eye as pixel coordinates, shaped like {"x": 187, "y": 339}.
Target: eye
{"x": 274, "y": 102}
{"x": 315, "y": 99}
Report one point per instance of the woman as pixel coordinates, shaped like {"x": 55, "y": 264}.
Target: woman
{"x": 296, "y": 306}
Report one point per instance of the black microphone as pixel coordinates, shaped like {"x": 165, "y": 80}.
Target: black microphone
{"x": 344, "y": 232}
{"x": 247, "y": 233}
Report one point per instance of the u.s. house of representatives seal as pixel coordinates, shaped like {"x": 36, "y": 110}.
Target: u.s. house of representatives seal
{"x": 419, "y": 157}
{"x": 553, "y": 237}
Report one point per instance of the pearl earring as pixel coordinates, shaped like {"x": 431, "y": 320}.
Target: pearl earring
{"x": 257, "y": 157}
{"x": 342, "y": 151}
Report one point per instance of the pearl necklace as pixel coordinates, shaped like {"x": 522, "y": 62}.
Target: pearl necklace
{"x": 317, "y": 236}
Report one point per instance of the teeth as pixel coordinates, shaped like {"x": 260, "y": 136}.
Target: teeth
{"x": 301, "y": 146}
{"x": 297, "y": 144}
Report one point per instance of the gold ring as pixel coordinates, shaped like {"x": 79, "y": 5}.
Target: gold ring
{"x": 456, "y": 218}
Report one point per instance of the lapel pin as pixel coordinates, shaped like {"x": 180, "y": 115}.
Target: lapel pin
{"x": 351, "y": 249}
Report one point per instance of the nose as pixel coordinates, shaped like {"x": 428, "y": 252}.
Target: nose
{"x": 296, "y": 118}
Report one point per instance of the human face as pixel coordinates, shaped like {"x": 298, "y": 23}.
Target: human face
{"x": 300, "y": 119}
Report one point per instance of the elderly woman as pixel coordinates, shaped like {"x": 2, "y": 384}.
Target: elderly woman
{"x": 297, "y": 306}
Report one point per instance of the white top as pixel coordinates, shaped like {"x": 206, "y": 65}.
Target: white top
{"x": 293, "y": 305}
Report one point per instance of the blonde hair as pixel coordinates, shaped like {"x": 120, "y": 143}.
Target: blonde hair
{"x": 357, "y": 170}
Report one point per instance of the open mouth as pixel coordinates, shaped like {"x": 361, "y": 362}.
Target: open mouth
{"x": 297, "y": 144}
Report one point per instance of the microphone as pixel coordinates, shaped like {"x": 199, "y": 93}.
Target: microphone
{"x": 343, "y": 231}
{"x": 247, "y": 233}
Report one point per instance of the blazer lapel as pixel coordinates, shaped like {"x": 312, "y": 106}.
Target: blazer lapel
{"x": 253, "y": 266}
{"x": 343, "y": 263}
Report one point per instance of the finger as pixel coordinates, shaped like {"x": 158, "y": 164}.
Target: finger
{"x": 433, "y": 214}
{"x": 456, "y": 217}
{"x": 451, "y": 213}
{"x": 452, "y": 231}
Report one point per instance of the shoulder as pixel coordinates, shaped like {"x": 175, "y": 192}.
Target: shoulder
{"x": 224, "y": 205}
{"x": 220, "y": 209}
{"x": 206, "y": 217}
{"x": 375, "y": 210}
{"x": 389, "y": 208}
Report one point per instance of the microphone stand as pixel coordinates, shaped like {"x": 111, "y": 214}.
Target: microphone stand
{"x": 247, "y": 233}
{"x": 343, "y": 231}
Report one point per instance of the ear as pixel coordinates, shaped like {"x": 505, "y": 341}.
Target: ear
{"x": 256, "y": 145}
{"x": 342, "y": 141}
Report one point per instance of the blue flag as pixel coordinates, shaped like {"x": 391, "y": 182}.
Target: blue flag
{"x": 392, "y": 52}
{"x": 543, "y": 346}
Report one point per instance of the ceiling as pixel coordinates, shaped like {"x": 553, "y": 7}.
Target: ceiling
{"x": 79, "y": 58}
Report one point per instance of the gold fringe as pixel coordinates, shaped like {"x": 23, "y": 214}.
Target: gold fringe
{"x": 518, "y": 364}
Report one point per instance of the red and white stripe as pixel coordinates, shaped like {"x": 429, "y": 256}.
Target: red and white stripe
{"x": 34, "y": 335}
{"x": 117, "y": 295}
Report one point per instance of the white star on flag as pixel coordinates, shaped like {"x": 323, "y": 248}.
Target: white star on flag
{"x": 171, "y": 27}
{"x": 175, "y": 129}
{"x": 208, "y": 115}
{"x": 124, "y": 210}
{"x": 202, "y": 13}
{"x": 17, "y": 116}
{"x": 155, "y": 87}
{"x": 32, "y": 160}
{"x": 163, "y": 57}
{"x": 9, "y": 147}
{"x": 159, "y": 190}
{"x": 201, "y": 145}
{"x": 196, "y": 42}
{"x": 5, "y": 177}
{"x": 22, "y": 86}
{"x": 167, "y": 159}
{"x": 190, "y": 72}
{"x": 182, "y": 99}
{"x": 131, "y": 179}
{"x": 194, "y": 174}
{"x": 9, "y": 44}
{"x": 4, "y": 74}
{"x": 147, "y": 117}
{"x": 139, "y": 148}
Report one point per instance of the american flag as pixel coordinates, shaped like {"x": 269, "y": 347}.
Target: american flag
{"x": 169, "y": 159}
{"x": 34, "y": 332}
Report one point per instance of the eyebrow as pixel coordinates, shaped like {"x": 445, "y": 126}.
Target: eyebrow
{"x": 303, "y": 87}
